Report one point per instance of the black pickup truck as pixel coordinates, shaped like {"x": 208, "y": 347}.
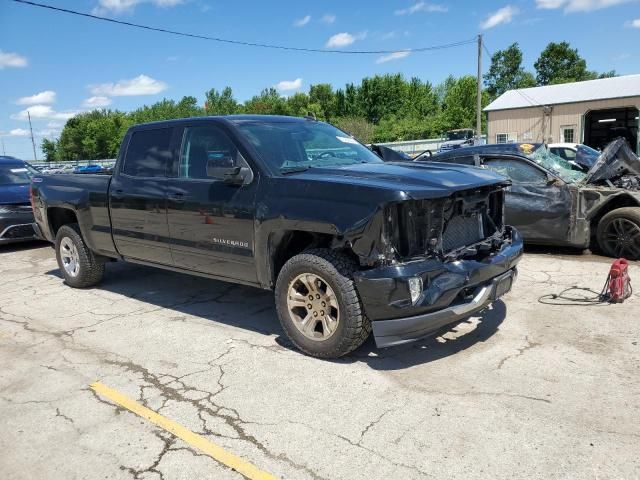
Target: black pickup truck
{"x": 348, "y": 242}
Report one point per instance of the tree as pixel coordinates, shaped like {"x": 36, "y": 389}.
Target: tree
{"x": 269, "y": 102}
{"x": 298, "y": 104}
{"x": 459, "y": 104}
{"x": 506, "y": 72}
{"x": 559, "y": 63}
{"x": 221, "y": 103}
{"x": 49, "y": 149}
{"x": 357, "y": 127}
{"x": 322, "y": 95}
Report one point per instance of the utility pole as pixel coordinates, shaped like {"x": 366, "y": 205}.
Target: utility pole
{"x": 33, "y": 142}
{"x": 4, "y": 152}
{"x": 479, "y": 105}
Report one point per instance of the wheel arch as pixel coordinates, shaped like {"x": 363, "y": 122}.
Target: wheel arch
{"x": 614, "y": 203}
{"x": 59, "y": 216}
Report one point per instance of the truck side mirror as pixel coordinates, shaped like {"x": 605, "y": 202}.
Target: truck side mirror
{"x": 234, "y": 175}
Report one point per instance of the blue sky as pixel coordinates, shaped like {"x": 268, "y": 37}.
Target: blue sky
{"x": 55, "y": 64}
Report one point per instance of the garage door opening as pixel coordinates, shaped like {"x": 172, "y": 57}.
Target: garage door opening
{"x": 603, "y": 126}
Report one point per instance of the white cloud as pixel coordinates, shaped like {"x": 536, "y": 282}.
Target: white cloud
{"x": 393, "y": 56}
{"x": 122, "y": 6}
{"x": 328, "y": 18}
{"x": 44, "y": 112}
{"x": 48, "y": 96}
{"x": 422, "y": 7}
{"x": 9, "y": 59}
{"x": 343, "y": 39}
{"x": 286, "y": 85}
{"x": 56, "y": 125}
{"x": 19, "y": 132}
{"x": 140, "y": 85}
{"x": 49, "y": 132}
{"x": 96, "y": 102}
{"x": 636, "y": 23}
{"x": 503, "y": 15}
{"x": 579, "y": 5}
{"x": 301, "y": 22}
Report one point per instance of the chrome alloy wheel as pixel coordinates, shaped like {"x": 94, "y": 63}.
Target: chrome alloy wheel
{"x": 313, "y": 307}
{"x": 622, "y": 236}
{"x": 69, "y": 256}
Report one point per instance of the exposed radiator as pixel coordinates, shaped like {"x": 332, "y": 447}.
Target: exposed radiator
{"x": 462, "y": 231}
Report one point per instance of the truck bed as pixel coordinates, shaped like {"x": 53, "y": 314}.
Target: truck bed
{"x": 87, "y": 194}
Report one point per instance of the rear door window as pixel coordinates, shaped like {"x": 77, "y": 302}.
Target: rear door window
{"x": 149, "y": 153}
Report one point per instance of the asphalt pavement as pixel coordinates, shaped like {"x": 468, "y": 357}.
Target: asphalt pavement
{"x": 525, "y": 390}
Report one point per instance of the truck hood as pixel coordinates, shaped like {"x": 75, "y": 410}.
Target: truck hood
{"x": 418, "y": 180}
{"x": 14, "y": 194}
{"x": 616, "y": 160}
{"x": 454, "y": 142}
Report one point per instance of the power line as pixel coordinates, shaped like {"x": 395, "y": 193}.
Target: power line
{"x": 245, "y": 43}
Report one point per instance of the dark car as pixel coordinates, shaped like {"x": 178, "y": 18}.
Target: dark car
{"x": 554, "y": 202}
{"x": 349, "y": 243}
{"x": 16, "y": 215}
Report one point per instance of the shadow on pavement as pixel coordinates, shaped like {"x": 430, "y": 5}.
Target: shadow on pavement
{"x": 253, "y": 309}
{"x": 22, "y": 246}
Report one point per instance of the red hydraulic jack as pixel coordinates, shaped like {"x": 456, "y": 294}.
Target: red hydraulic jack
{"x": 616, "y": 289}
{"x": 618, "y": 286}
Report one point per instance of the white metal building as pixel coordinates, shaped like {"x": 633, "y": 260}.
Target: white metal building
{"x": 592, "y": 112}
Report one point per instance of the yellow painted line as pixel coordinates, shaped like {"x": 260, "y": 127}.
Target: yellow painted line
{"x": 193, "y": 439}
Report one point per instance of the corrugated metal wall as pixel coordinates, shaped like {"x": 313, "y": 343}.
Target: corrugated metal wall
{"x": 528, "y": 123}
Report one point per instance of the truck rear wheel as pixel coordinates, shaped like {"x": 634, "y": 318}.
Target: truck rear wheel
{"x": 318, "y": 305}
{"x": 78, "y": 265}
{"x": 619, "y": 233}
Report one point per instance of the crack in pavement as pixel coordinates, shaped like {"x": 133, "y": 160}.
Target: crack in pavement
{"x": 209, "y": 406}
{"x": 528, "y": 345}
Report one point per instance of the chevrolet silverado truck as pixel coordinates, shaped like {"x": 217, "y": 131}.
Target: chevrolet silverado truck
{"x": 349, "y": 243}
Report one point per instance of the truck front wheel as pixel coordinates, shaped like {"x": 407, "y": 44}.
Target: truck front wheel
{"x": 318, "y": 305}
{"x": 78, "y": 265}
{"x": 619, "y": 233}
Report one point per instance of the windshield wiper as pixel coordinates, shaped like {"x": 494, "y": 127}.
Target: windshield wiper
{"x": 301, "y": 168}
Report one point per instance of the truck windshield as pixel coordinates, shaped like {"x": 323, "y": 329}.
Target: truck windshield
{"x": 15, "y": 174}
{"x": 556, "y": 164}
{"x": 296, "y": 146}
{"x": 459, "y": 135}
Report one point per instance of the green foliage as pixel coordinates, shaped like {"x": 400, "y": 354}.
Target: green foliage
{"x": 93, "y": 135}
{"x": 357, "y": 127}
{"x": 559, "y": 63}
{"x": 506, "y": 72}
{"x": 223, "y": 103}
{"x": 49, "y": 149}
{"x": 269, "y": 102}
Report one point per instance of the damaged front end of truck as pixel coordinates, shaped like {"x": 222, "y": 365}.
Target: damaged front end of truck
{"x": 441, "y": 260}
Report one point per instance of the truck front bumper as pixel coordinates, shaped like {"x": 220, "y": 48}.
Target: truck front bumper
{"x": 451, "y": 292}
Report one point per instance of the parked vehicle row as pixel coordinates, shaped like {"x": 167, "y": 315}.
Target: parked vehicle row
{"x": 350, "y": 243}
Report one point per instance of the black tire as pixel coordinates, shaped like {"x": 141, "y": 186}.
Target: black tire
{"x": 336, "y": 270}
{"x": 90, "y": 269}
{"x": 618, "y": 233}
